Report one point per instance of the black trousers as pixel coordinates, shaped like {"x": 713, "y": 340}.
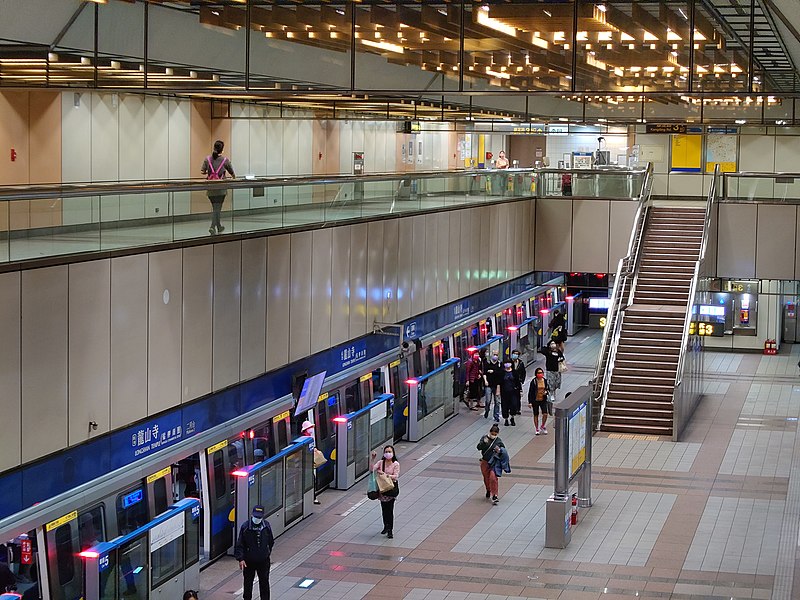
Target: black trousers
{"x": 509, "y": 404}
{"x": 252, "y": 569}
{"x": 387, "y": 508}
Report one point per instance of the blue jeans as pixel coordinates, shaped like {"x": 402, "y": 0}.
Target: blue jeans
{"x": 490, "y": 397}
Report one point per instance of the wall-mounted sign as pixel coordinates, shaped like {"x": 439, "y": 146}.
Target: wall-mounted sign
{"x": 666, "y": 128}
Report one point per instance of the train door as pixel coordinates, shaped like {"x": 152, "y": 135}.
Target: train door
{"x": 326, "y": 410}
{"x": 130, "y": 509}
{"x": 64, "y": 539}
{"x": 398, "y": 373}
{"x": 187, "y": 482}
{"x": 282, "y": 430}
{"x": 159, "y": 491}
{"x": 220, "y": 461}
{"x": 24, "y": 562}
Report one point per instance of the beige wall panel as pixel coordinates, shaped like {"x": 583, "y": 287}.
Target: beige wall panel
{"x": 321, "y": 290}
{"x": 14, "y": 118}
{"x": 756, "y": 153}
{"x": 340, "y": 285}
{"x": 45, "y": 143}
{"x": 358, "y": 280}
{"x": 44, "y": 361}
{"x": 478, "y": 259}
{"x": 442, "y": 238}
{"x": 431, "y": 261}
{"x": 200, "y": 142}
{"x": 226, "y": 340}
{"x": 198, "y": 300}
{"x": 253, "y": 350}
{"x": 405, "y": 267}
{"x": 454, "y": 256}
{"x": 532, "y": 235}
{"x": 278, "y": 265}
{"x": 89, "y": 349}
{"x": 775, "y": 231}
{"x": 375, "y": 243}
{"x": 128, "y": 339}
{"x": 787, "y": 149}
{"x": 622, "y": 216}
{"x": 300, "y": 303}
{"x": 390, "y": 250}
{"x": 465, "y": 243}
{"x": 493, "y": 249}
{"x": 505, "y": 240}
{"x": 553, "y": 235}
{"x": 590, "y": 230}
{"x": 10, "y": 371}
{"x": 484, "y": 246}
{"x": 736, "y": 245}
{"x": 417, "y": 251}
{"x": 164, "y": 323}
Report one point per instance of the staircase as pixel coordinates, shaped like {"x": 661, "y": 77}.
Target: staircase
{"x": 642, "y": 381}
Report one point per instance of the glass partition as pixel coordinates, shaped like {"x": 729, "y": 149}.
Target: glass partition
{"x": 293, "y": 507}
{"x": 271, "y": 484}
{"x": 134, "y": 567}
{"x": 436, "y": 392}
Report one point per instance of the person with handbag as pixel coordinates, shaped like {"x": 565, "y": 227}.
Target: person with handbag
{"x": 486, "y": 446}
{"x": 554, "y": 365}
{"x": 537, "y": 398}
{"x": 387, "y": 471}
{"x": 307, "y": 430}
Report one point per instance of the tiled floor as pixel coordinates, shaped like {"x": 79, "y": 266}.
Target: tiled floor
{"x": 715, "y": 516}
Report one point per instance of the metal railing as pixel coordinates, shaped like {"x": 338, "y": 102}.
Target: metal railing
{"x": 759, "y": 186}
{"x": 52, "y": 220}
{"x": 620, "y": 300}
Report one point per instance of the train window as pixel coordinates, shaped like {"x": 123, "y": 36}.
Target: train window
{"x": 160, "y": 498}
{"x": 236, "y": 453}
{"x": 322, "y": 420}
{"x": 220, "y": 485}
{"x": 65, "y": 554}
{"x": 132, "y": 574}
{"x": 90, "y": 528}
{"x": 263, "y": 440}
{"x": 272, "y": 488}
{"x": 378, "y": 384}
{"x": 167, "y": 561}
{"x": 352, "y": 398}
{"x": 191, "y": 537}
{"x": 131, "y": 510}
{"x": 283, "y": 433}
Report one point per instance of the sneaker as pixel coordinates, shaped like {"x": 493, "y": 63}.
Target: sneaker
{"x": 384, "y": 531}
{"x": 487, "y": 493}
{"x": 485, "y": 416}
{"x": 536, "y": 432}
{"x": 512, "y": 422}
{"x": 212, "y": 231}
{"x": 316, "y": 501}
{"x": 506, "y": 423}
{"x": 220, "y": 228}
{"x": 495, "y": 499}
{"x": 544, "y": 430}
{"x": 390, "y": 535}
{"x": 497, "y": 421}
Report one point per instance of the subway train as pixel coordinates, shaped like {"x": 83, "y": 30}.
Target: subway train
{"x": 44, "y": 542}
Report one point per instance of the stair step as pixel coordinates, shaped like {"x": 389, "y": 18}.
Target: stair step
{"x": 638, "y": 429}
{"x": 639, "y": 396}
{"x": 639, "y": 388}
{"x": 651, "y": 377}
{"x": 613, "y": 413}
{"x": 633, "y": 404}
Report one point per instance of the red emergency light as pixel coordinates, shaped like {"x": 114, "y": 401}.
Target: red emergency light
{"x": 89, "y": 554}
{"x": 240, "y": 473}
{"x": 340, "y": 419}
{"x": 412, "y": 381}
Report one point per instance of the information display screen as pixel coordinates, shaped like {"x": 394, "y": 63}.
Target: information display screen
{"x": 310, "y": 393}
{"x": 576, "y": 426}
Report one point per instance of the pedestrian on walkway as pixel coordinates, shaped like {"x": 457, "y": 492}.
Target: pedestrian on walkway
{"x": 388, "y": 465}
{"x": 492, "y": 378}
{"x": 214, "y": 168}
{"x": 518, "y": 366}
{"x": 510, "y": 393}
{"x": 475, "y": 382}
{"x": 253, "y": 549}
{"x": 486, "y": 446}
{"x": 537, "y": 398}
{"x": 553, "y": 359}
{"x": 558, "y": 329}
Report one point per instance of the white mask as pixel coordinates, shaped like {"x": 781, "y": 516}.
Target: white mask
{"x": 387, "y": 455}
{"x": 257, "y": 520}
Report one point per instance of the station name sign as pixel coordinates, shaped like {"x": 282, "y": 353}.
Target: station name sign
{"x": 666, "y": 128}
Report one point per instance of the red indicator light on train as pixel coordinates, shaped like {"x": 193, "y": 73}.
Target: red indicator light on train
{"x": 252, "y": 434}
{"x": 340, "y": 419}
{"x": 471, "y": 349}
{"x": 412, "y": 381}
{"x": 570, "y": 297}
{"x": 512, "y": 327}
{"x": 89, "y": 554}
{"x": 545, "y": 311}
{"x": 240, "y": 473}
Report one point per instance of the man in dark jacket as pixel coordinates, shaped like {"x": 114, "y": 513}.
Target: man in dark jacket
{"x": 253, "y": 549}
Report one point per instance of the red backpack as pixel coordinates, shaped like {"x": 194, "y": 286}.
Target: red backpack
{"x": 219, "y": 173}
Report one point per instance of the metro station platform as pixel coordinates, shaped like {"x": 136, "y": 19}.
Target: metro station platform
{"x": 711, "y": 517}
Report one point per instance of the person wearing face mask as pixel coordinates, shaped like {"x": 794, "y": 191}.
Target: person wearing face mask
{"x": 518, "y": 366}
{"x": 552, "y": 358}
{"x": 510, "y": 392}
{"x": 537, "y": 398}
{"x": 487, "y": 446}
{"x": 474, "y": 382}
{"x": 253, "y": 549}
{"x": 492, "y": 378}
{"x": 388, "y": 465}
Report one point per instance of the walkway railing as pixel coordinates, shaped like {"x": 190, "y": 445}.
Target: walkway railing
{"x": 55, "y": 220}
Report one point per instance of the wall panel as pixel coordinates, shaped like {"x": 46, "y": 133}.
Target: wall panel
{"x": 358, "y": 280}
{"x": 553, "y": 235}
{"x": 390, "y": 251}
{"x": 622, "y": 216}
{"x": 198, "y": 298}
{"x": 300, "y": 304}
{"x": 418, "y": 265}
{"x": 405, "y": 267}
{"x": 430, "y": 264}
{"x": 89, "y": 349}
{"x": 45, "y": 140}
{"x": 454, "y": 256}
{"x": 278, "y": 253}
{"x": 590, "y": 230}
{"x": 736, "y": 244}
{"x": 156, "y": 154}
{"x": 253, "y": 350}
{"x": 226, "y": 342}
{"x": 44, "y": 342}
{"x": 164, "y": 337}
{"x": 10, "y": 370}
{"x": 76, "y": 152}
{"x": 483, "y": 240}
{"x": 340, "y": 284}
{"x": 442, "y": 257}
{"x": 321, "y": 289}
{"x": 105, "y": 149}
{"x": 14, "y": 120}
{"x": 375, "y": 295}
{"x": 131, "y": 153}
{"x": 493, "y": 249}
{"x": 774, "y": 252}
{"x": 128, "y": 339}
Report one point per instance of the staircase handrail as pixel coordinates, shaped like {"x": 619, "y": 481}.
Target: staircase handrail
{"x": 625, "y": 269}
{"x": 634, "y": 254}
{"x": 712, "y": 192}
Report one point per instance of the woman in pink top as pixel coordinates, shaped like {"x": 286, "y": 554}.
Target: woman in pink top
{"x": 391, "y": 467}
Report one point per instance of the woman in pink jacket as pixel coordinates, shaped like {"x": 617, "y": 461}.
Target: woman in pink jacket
{"x": 390, "y": 466}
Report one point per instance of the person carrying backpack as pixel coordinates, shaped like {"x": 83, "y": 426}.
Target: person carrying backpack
{"x": 253, "y": 549}
{"x": 214, "y": 168}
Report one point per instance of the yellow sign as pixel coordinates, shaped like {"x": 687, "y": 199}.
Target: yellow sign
{"x": 437, "y": 343}
{"x": 216, "y": 447}
{"x": 578, "y": 459}
{"x": 394, "y": 364}
{"x": 322, "y": 397}
{"x": 283, "y": 415}
{"x": 62, "y": 521}
{"x": 602, "y": 322}
{"x": 687, "y": 152}
{"x": 162, "y": 473}
{"x": 457, "y": 334}
{"x": 366, "y": 377}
